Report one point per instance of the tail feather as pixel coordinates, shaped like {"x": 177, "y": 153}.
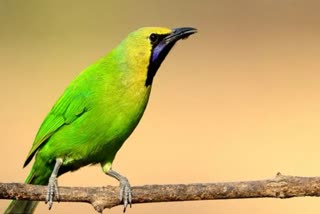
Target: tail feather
{"x": 21, "y": 207}
{"x": 27, "y": 207}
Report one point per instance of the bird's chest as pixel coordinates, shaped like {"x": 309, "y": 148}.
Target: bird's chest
{"x": 124, "y": 108}
{"x": 111, "y": 123}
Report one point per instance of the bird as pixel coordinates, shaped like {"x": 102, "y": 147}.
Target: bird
{"x": 97, "y": 112}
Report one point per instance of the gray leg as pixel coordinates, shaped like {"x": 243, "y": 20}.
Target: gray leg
{"x": 125, "y": 189}
{"x": 53, "y": 183}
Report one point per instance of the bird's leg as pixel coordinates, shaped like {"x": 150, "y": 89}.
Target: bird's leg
{"x": 125, "y": 188}
{"x": 53, "y": 183}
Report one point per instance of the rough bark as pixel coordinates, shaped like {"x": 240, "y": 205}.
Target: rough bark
{"x": 281, "y": 186}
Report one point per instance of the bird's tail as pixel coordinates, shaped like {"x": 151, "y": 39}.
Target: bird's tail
{"x": 21, "y": 207}
{"x": 26, "y": 207}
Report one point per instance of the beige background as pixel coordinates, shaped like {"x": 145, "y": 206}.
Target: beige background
{"x": 237, "y": 101}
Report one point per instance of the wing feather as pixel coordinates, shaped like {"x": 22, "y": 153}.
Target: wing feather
{"x": 67, "y": 109}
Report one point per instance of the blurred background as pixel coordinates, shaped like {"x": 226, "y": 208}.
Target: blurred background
{"x": 237, "y": 101}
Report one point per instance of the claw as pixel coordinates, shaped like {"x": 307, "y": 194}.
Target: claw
{"x": 52, "y": 191}
{"x": 53, "y": 184}
{"x": 125, "y": 195}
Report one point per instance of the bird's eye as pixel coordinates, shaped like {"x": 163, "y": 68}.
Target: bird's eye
{"x": 153, "y": 38}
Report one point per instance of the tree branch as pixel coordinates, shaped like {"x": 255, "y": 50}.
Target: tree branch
{"x": 107, "y": 197}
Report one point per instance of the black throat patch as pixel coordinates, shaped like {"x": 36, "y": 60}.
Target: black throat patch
{"x": 160, "y": 49}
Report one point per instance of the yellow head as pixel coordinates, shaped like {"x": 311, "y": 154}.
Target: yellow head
{"x": 147, "y": 48}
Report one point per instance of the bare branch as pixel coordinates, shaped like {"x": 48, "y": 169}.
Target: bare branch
{"x": 107, "y": 197}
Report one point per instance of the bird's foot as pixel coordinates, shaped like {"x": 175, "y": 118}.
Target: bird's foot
{"x": 53, "y": 184}
{"x": 125, "y": 192}
{"x": 52, "y": 191}
{"x": 125, "y": 189}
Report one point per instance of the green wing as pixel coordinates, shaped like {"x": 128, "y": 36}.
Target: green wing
{"x": 68, "y": 108}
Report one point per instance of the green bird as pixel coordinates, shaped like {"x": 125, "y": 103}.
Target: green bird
{"x": 97, "y": 112}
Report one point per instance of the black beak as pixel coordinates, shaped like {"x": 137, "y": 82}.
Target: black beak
{"x": 179, "y": 33}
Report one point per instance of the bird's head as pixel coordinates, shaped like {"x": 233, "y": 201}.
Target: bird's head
{"x": 150, "y": 45}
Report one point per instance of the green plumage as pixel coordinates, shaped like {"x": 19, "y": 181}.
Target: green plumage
{"x": 95, "y": 115}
